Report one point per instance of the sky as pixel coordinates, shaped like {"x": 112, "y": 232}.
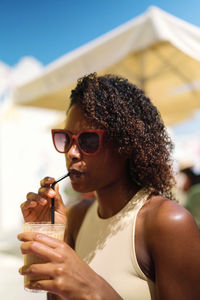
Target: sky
{"x": 48, "y": 29}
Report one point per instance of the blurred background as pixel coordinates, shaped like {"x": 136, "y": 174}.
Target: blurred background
{"x": 45, "y": 47}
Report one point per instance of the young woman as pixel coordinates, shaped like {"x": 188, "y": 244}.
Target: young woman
{"x": 132, "y": 242}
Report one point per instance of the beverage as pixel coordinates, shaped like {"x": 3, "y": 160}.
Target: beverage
{"x": 53, "y": 230}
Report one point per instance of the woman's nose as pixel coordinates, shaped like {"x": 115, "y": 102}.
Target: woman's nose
{"x": 73, "y": 152}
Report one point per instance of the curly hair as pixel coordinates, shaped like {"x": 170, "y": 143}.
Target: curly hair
{"x": 133, "y": 124}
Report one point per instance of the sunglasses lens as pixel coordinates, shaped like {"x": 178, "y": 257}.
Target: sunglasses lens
{"x": 62, "y": 141}
{"x": 89, "y": 142}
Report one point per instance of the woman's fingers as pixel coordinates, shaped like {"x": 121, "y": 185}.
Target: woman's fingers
{"x": 32, "y": 200}
{"x": 28, "y": 204}
{"x": 46, "y": 285}
{"x": 47, "y": 181}
{"x": 41, "y": 250}
{"x": 45, "y": 269}
{"x": 37, "y": 206}
{"x": 52, "y": 251}
{"x": 48, "y": 254}
{"x": 46, "y": 192}
{"x": 41, "y": 238}
{"x": 53, "y": 193}
{"x": 42, "y": 270}
{"x": 33, "y": 203}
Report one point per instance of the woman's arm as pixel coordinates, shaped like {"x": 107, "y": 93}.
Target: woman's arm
{"x": 75, "y": 216}
{"x": 174, "y": 240}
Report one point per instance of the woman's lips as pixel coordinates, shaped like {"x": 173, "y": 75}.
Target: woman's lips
{"x": 75, "y": 174}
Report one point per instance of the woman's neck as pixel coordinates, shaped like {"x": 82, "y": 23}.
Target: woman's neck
{"x": 113, "y": 197}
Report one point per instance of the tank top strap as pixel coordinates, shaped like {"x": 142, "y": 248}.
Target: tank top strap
{"x": 143, "y": 196}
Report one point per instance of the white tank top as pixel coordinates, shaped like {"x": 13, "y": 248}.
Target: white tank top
{"x": 108, "y": 247}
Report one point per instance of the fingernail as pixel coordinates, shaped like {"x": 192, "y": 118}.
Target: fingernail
{"x": 52, "y": 193}
{"x": 24, "y": 270}
{"x": 43, "y": 200}
{"x": 35, "y": 285}
{"x": 27, "y": 284}
{"x": 19, "y": 236}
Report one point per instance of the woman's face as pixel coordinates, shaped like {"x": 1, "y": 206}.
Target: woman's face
{"x": 98, "y": 171}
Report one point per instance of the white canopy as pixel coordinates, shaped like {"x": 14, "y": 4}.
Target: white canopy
{"x": 155, "y": 25}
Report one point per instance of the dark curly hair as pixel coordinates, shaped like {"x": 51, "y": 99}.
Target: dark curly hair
{"x": 133, "y": 124}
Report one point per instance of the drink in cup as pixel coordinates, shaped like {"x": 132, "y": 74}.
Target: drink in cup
{"x": 53, "y": 230}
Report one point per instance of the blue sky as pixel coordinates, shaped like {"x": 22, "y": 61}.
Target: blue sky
{"x": 47, "y": 29}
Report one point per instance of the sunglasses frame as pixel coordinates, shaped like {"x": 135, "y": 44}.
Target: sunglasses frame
{"x": 74, "y": 137}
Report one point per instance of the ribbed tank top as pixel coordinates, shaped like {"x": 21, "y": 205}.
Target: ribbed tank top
{"x": 108, "y": 247}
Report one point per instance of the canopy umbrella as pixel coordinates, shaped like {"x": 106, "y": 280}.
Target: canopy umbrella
{"x": 156, "y": 50}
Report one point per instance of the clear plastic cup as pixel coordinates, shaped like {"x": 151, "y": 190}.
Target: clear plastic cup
{"x": 53, "y": 230}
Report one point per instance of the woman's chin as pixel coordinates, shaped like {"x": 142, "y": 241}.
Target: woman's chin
{"x": 80, "y": 188}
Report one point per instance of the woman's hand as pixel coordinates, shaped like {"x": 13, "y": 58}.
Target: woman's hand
{"x": 70, "y": 277}
{"x": 37, "y": 208}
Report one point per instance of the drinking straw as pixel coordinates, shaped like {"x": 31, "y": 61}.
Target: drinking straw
{"x": 53, "y": 200}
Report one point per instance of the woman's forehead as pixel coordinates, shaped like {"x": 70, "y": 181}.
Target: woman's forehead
{"x": 76, "y": 120}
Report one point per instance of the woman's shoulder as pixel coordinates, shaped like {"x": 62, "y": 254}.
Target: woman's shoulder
{"x": 168, "y": 222}
{"x": 173, "y": 245}
{"x": 162, "y": 213}
{"x": 168, "y": 237}
{"x": 75, "y": 216}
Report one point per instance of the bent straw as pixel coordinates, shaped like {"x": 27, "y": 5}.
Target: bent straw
{"x": 53, "y": 200}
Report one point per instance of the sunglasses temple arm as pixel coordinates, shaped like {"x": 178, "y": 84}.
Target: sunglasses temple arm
{"x": 53, "y": 200}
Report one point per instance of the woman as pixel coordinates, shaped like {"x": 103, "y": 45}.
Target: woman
{"x": 132, "y": 242}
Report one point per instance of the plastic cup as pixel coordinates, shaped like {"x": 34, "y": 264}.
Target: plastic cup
{"x": 53, "y": 230}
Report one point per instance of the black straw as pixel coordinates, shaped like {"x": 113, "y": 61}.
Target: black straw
{"x": 53, "y": 200}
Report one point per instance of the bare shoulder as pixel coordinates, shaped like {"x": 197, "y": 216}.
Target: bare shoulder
{"x": 173, "y": 244}
{"x": 173, "y": 236}
{"x": 75, "y": 216}
{"x": 163, "y": 227}
{"x": 167, "y": 216}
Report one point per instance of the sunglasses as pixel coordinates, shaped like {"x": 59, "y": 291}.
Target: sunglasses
{"x": 89, "y": 141}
